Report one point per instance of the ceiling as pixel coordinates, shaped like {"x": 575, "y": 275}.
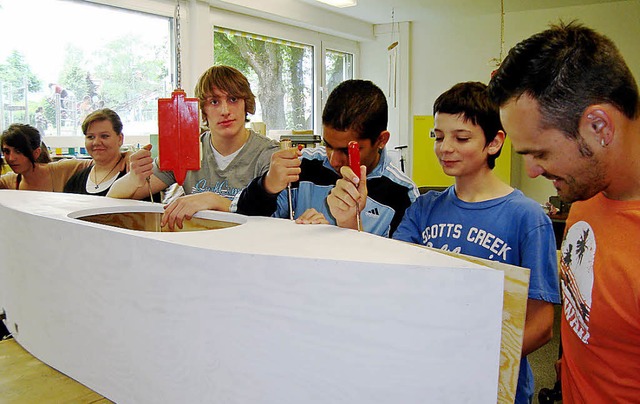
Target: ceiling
{"x": 380, "y": 11}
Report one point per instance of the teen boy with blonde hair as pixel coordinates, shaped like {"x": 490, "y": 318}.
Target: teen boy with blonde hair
{"x": 231, "y": 154}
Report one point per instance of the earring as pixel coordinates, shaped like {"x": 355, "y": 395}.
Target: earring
{"x": 602, "y": 142}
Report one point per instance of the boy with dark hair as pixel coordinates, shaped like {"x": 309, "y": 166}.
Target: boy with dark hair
{"x": 356, "y": 110}
{"x": 572, "y": 109}
{"x": 484, "y": 217}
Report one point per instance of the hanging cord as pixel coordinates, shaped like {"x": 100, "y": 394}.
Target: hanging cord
{"x": 393, "y": 24}
{"x": 393, "y": 59}
{"x": 394, "y": 43}
{"x": 498, "y": 61}
{"x": 177, "y": 35}
{"x": 501, "y": 30}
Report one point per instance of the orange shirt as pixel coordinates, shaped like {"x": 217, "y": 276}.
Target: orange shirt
{"x": 600, "y": 282}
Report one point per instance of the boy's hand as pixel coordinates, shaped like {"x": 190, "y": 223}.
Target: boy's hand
{"x": 141, "y": 165}
{"x": 348, "y": 192}
{"x": 311, "y": 216}
{"x": 187, "y": 206}
{"x": 284, "y": 169}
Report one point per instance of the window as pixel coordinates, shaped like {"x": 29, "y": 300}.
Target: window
{"x": 280, "y": 73}
{"x": 112, "y": 55}
{"x": 311, "y": 64}
{"x": 338, "y": 67}
{"x": 83, "y": 57}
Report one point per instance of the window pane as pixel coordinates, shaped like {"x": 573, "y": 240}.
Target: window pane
{"x": 338, "y": 68}
{"x": 85, "y": 57}
{"x": 280, "y": 73}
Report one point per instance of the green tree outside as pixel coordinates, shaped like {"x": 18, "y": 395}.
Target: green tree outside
{"x": 279, "y": 71}
{"x": 131, "y": 74}
{"x": 13, "y": 75}
{"x": 15, "y": 70}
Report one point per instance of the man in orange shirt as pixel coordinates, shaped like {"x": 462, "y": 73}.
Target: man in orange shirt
{"x": 571, "y": 107}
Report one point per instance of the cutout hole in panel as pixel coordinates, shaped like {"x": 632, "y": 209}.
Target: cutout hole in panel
{"x": 145, "y": 220}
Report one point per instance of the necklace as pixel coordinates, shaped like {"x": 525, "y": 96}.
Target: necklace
{"x": 95, "y": 173}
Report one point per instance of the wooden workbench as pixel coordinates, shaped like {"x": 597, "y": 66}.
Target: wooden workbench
{"x": 24, "y": 379}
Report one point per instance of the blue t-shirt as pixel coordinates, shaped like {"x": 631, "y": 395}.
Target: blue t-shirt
{"x": 512, "y": 229}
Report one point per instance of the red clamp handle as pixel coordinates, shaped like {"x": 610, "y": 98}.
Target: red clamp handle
{"x": 354, "y": 157}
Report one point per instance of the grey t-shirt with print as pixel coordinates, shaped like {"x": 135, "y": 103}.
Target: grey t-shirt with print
{"x": 252, "y": 161}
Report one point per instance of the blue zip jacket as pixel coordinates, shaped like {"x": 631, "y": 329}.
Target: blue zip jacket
{"x": 390, "y": 193}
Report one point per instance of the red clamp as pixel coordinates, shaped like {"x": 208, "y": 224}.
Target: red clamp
{"x": 178, "y": 134}
{"x": 354, "y": 157}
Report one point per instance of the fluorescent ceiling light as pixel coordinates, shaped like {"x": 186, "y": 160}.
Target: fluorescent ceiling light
{"x": 340, "y": 3}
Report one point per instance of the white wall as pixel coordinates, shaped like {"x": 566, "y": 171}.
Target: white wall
{"x": 447, "y": 50}
{"x": 375, "y": 66}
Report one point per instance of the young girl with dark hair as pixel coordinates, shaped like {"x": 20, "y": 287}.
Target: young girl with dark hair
{"x": 23, "y": 151}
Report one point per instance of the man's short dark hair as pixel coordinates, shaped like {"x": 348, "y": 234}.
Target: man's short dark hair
{"x": 471, "y": 100}
{"x": 357, "y": 105}
{"x": 565, "y": 69}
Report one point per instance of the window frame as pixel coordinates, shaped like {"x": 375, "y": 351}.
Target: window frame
{"x": 319, "y": 42}
{"x": 153, "y": 8}
{"x": 198, "y": 20}
{"x": 330, "y": 44}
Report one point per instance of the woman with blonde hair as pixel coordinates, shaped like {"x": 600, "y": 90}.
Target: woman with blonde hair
{"x": 102, "y": 138}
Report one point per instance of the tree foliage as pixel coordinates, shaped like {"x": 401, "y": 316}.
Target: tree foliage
{"x": 294, "y": 58}
{"x": 73, "y": 72}
{"x": 339, "y": 67}
{"x": 126, "y": 74}
{"x": 15, "y": 74}
{"x": 279, "y": 72}
{"x": 15, "y": 70}
{"x": 128, "y": 78}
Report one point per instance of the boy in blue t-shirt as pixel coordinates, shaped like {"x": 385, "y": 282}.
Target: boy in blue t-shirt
{"x": 484, "y": 217}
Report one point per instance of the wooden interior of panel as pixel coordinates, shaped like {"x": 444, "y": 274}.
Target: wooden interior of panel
{"x": 516, "y": 288}
{"x": 150, "y": 221}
